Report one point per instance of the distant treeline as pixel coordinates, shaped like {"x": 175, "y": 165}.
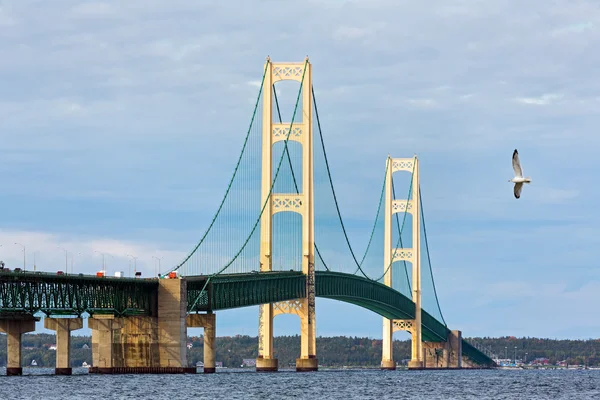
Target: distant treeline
{"x": 579, "y": 352}
{"x": 331, "y": 351}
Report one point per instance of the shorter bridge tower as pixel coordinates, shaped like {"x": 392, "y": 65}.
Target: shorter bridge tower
{"x": 412, "y": 255}
{"x": 301, "y": 203}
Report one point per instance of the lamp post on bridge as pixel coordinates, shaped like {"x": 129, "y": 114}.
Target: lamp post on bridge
{"x": 23, "y": 246}
{"x": 158, "y": 258}
{"x": 72, "y": 258}
{"x": 34, "y": 253}
{"x": 66, "y": 260}
{"x": 134, "y": 265}
{"x": 103, "y": 263}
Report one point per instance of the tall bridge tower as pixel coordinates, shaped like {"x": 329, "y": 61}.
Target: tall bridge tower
{"x": 412, "y": 255}
{"x": 301, "y": 203}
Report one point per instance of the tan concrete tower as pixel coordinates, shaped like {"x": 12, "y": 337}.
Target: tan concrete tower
{"x": 301, "y": 203}
{"x": 412, "y": 255}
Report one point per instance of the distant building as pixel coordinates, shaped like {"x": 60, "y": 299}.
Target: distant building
{"x": 85, "y": 346}
{"x": 52, "y": 347}
{"x": 540, "y": 361}
{"x": 249, "y": 362}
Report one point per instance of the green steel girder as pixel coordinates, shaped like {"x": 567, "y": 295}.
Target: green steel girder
{"x": 29, "y": 293}
{"x": 243, "y": 290}
{"x": 433, "y": 330}
{"x": 374, "y": 296}
{"x": 378, "y": 298}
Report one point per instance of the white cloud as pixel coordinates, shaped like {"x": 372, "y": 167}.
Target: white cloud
{"x": 84, "y": 253}
{"x": 540, "y": 100}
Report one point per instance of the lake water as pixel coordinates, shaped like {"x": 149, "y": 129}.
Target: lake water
{"x": 324, "y": 384}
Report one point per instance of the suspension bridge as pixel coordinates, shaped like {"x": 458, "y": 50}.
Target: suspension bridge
{"x": 277, "y": 239}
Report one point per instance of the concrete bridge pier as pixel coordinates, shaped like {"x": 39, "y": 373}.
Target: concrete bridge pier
{"x": 446, "y": 354}
{"x": 63, "y": 328}
{"x": 14, "y": 329}
{"x": 102, "y": 327}
{"x": 436, "y": 355}
{"x": 208, "y": 322}
{"x": 137, "y": 343}
{"x": 172, "y": 331}
{"x": 144, "y": 344}
{"x": 455, "y": 349}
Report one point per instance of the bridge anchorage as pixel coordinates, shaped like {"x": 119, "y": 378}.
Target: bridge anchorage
{"x": 140, "y": 325}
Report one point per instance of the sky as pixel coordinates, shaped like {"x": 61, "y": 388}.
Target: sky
{"x": 121, "y": 122}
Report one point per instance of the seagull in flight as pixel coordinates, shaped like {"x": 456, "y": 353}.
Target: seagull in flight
{"x": 518, "y": 179}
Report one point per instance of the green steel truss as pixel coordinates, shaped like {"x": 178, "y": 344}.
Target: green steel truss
{"x": 29, "y": 293}
{"x": 476, "y": 355}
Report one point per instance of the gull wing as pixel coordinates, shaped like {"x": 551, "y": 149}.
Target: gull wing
{"x": 516, "y": 163}
{"x": 517, "y": 189}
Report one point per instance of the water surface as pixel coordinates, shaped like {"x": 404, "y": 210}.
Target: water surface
{"x": 39, "y": 383}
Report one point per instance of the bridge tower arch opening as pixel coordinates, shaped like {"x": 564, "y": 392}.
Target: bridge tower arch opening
{"x": 298, "y": 130}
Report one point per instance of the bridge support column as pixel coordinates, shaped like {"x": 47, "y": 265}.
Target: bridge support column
{"x": 387, "y": 359}
{"x": 455, "y": 349}
{"x": 387, "y": 354}
{"x": 308, "y": 342}
{"x": 416, "y": 361}
{"x": 267, "y": 364}
{"x": 14, "y": 329}
{"x": 172, "y": 332}
{"x": 208, "y": 322}
{"x": 265, "y": 361}
{"x": 102, "y": 327}
{"x": 63, "y": 328}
